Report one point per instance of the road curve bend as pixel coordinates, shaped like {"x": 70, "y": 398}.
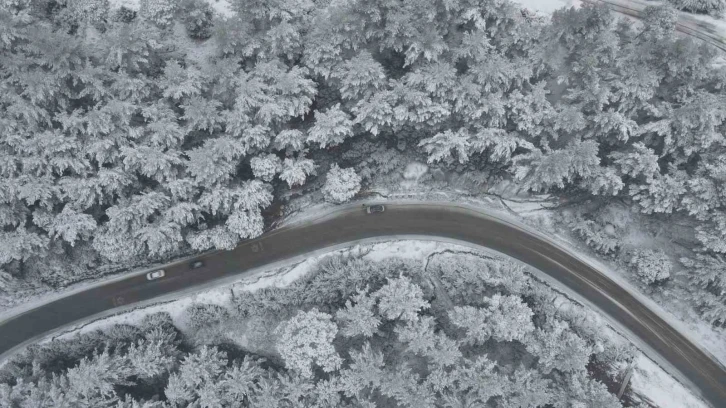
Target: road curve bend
{"x": 351, "y": 223}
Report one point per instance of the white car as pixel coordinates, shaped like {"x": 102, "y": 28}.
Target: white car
{"x": 378, "y": 208}
{"x": 155, "y": 275}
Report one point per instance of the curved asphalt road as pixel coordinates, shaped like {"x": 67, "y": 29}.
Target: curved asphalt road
{"x": 352, "y": 223}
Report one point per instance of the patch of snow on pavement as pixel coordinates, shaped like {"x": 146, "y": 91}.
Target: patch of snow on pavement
{"x": 651, "y": 382}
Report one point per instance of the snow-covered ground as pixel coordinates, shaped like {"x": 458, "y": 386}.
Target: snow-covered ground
{"x": 546, "y": 7}
{"x": 649, "y": 382}
{"x": 220, "y": 6}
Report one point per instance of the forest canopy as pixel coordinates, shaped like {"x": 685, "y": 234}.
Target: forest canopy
{"x": 141, "y": 134}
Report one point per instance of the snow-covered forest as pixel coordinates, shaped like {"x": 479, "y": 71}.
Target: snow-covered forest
{"x": 350, "y": 333}
{"x": 715, "y": 7}
{"x": 137, "y": 135}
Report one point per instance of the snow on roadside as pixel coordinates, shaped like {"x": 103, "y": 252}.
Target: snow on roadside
{"x": 702, "y": 336}
{"x": 175, "y": 308}
{"x": 524, "y": 206}
{"x": 282, "y": 277}
{"x": 649, "y": 381}
{"x": 406, "y": 249}
{"x": 532, "y": 216}
{"x": 278, "y": 277}
{"x": 546, "y": 7}
{"x": 700, "y": 332}
{"x": 662, "y": 390}
{"x": 220, "y": 6}
{"x": 129, "y": 4}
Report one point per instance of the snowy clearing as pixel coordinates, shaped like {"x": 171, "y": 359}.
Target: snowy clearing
{"x": 651, "y": 382}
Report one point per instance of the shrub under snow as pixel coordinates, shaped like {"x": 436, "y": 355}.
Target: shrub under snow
{"x": 201, "y": 315}
{"x": 197, "y": 16}
{"x": 266, "y": 167}
{"x": 341, "y": 184}
{"x": 651, "y": 265}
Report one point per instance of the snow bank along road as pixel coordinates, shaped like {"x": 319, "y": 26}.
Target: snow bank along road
{"x": 352, "y": 223}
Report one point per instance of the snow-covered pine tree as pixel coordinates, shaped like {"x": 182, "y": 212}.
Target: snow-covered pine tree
{"x": 341, "y": 184}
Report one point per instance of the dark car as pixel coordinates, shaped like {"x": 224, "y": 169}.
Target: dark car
{"x": 375, "y": 209}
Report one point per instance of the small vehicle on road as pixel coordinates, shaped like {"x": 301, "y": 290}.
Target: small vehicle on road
{"x": 378, "y": 208}
{"x": 155, "y": 274}
{"x": 196, "y": 264}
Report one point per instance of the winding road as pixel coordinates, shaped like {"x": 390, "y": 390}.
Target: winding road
{"x": 351, "y": 223}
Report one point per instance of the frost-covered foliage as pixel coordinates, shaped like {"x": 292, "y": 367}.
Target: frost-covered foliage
{"x": 124, "y": 14}
{"x": 595, "y": 235}
{"x": 197, "y": 17}
{"x": 558, "y": 347}
{"x": 414, "y": 171}
{"x": 159, "y": 12}
{"x": 505, "y": 318}
{"x": 266, "y": 167}
{"x": 400, "y": 299}
{"x": 295, "y": 171}
{"x": 126, "y": 150}
{"x": 306, "y": 340}
{"x": 708, "y": 273}
{"x": 390, "y": 341}
{"x": 341, "y": 184}
{"x": 85, "y": 11}
{"x": 358, "y": 318}
{"x": 203, "y": 315}
{"x": 716, "y": 7}
{"x": 331, "y": 127}
{"x": 651, "y": 265}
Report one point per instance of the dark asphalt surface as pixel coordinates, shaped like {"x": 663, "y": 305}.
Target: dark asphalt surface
{"x": 399, "y": 219}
